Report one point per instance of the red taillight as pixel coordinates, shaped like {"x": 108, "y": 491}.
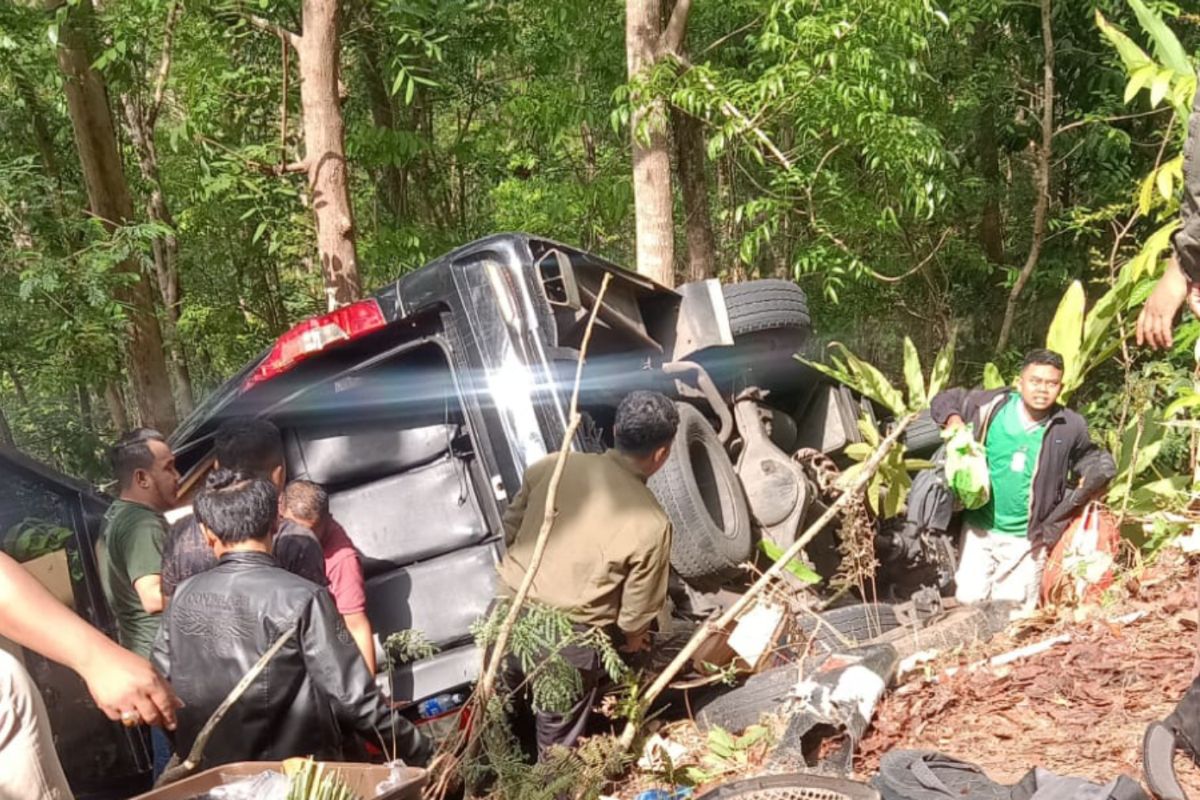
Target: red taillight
{"x": 317, "y": 334}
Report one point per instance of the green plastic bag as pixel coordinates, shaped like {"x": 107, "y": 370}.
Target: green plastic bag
{"x": 967, "y": 468}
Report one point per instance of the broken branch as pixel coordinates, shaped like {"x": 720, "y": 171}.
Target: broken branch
{"x": 270, "y": 27}
{"x": 869, "y": 468}
{"x": 676, "y": 30}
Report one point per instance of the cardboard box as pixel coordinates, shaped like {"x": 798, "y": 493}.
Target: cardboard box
{"x": 53, "y": 571}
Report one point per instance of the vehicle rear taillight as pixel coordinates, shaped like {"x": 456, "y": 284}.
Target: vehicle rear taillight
{"x": 317, "y": 334}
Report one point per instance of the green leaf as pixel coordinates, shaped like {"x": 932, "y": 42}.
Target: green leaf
{"x": 1066, "y": 330}
{"x": 913, "y": 376}
{"x": 859, "y": 451}
{"x": 797, "y": 568}
{"x": 1138, "y": 80}
{"x": 1190, "y": 400}
{"x": 721, "y": 742}
{"x": 1166, "y": 45}
{"x": 1132, "y": 55}
{"x": 869, "y": 432}
{"x": 942, "y": 365}
{"x": 872, "y": 382}
{"x": 992, "y": 379}
{"x": 1159, "y": 87}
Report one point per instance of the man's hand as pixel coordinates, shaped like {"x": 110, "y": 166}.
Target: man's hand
{"x": 636, "y": 642}
{"x": 1158, "y": 315}
{"x": 953, "y": 422}
{"x": 124, "y": 684}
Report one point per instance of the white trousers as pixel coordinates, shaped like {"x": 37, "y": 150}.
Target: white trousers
{"x": 29, "y": 767}
{"x": 993, "y": 566}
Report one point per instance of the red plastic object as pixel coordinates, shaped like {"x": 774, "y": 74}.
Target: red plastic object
{"x": 1080, "y": 567}
{"x": 316, "y": 335}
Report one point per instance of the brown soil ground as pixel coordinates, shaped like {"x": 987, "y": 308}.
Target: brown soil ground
{"x": 1079, "y": 708}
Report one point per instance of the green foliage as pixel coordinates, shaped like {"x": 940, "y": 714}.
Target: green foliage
{"x": 407, "y": 646}
{"x": 538, "y": 638}
{"x": 869, "y": 381}
{"x": 796, "y": 567}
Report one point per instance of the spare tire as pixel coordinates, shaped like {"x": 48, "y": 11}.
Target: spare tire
{"x": 852, "y": 625}
{"x": 701, "y": 495}
{"x": 923, "y": 436}
{"x": 770, "y": 323}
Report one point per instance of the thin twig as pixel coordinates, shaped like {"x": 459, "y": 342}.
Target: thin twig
{"x": 917, "y": 268}
{"x": 164, "y": 64}
{"x": 486, "y": 687}
{"x": 869, "y": 468}
{"x": 270, "y": 27}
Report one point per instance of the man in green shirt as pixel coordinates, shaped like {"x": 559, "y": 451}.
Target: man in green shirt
{"x": 1044, "y": 469}
{"x": 130, "y": 546}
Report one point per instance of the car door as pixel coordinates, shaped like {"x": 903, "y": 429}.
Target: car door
{"x": 49, "y": 523}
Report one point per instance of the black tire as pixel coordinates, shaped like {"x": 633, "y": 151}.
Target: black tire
{"x": 922, "y": 437}
{"x": 857, "y": 624}
{"x": 792, "y": 786}
{"x": 764, "y": 693}
{"x": 770, "y": 323}
{"x": 697, "y": 487}
{"x": 767, "y": 305}
{"x": 738, "y": 709}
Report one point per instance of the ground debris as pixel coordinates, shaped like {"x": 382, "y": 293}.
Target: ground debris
{"x": 1079, "y": 708}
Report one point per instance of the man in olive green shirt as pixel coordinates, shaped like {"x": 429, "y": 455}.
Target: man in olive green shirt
{"x": 129, "y": 551}
{"x": 608, "y": 555}
{"x": 131, "y": 542}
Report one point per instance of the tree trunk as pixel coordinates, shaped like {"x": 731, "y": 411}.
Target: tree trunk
{"x": 6, "y": 434}
{"x": 19, "y": 387}
{"x": 991, "y": 225}
{"x": 325, "y": 152}
{"x": 165, "y": 249}
{"x": 85, "y": 407}
{"x": 393, "y": 180}
{"x": 115, "y": 400}
{"x": 691, "y": 159}
{"x": 109, "y": 199}
{"x": 1041, "y": 181}
{"x": 652, "y": 195}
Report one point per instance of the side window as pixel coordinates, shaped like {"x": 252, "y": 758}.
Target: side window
{"x": 37, "y": 529}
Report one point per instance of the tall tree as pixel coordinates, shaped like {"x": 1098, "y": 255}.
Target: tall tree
{"x": 690, "y": 159}
{"x": 319, "y": 51}
{"x": 110, "y": 202}
{"x": 141, "y": 120}
{"x": 1042, "y": 154}
{"x": 647, "y": 42}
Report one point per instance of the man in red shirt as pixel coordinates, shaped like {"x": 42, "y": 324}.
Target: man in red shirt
{"x": 307, "y": 504}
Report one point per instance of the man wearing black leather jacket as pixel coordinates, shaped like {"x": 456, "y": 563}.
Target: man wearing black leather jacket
{"x": 314, "y": 694}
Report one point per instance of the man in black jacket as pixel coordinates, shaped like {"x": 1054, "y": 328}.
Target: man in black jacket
{"x": 1044, "y": 469}
{"x": 313, "y": 691}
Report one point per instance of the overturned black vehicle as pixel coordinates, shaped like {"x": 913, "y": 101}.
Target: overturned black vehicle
{"x": 420, "y": 407}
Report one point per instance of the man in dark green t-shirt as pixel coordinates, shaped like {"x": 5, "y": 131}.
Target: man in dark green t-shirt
{"x": 130, "y": 546}
{"x": 1044, "y": 469}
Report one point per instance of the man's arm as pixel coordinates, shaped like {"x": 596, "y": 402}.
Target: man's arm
{"x": 645, "y": 591}
{"x": 337, "y": 669}
{"x": 364, "y": 636}
{"x": 1181, "y": 280}
{"x": 119, "y": 681}
{"x": 514, "y": 515}
{"x": 1094, "y": 468}
{"x": 149, "y": 591}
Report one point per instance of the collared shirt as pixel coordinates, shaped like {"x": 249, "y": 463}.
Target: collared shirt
{"x": 608, "y": 555}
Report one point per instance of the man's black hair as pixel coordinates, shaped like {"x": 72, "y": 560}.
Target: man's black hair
{"x": 645, "y": 422}
{"x": 306, "y": 500}
{"x": 1043, "y": 356}
{"x": 236, "y": 506}
{"x": 132, "y": 452}
{"x": 248, "y": 445}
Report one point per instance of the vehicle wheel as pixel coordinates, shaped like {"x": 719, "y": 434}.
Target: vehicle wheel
{"x": 792, "y": 786}
{"x": 768, "y": 305}
{"x": 701, "y": 495}
{"x": 766, "y": 692}
{"x": 857, "y": 624}
{"x": 770, "y": 323}
{"x": 923, "y": 436}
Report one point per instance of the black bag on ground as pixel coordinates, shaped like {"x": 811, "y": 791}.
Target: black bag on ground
{"x": 926, "y": 775}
